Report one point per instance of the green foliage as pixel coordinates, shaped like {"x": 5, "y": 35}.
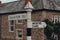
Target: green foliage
{"x": 57, "y": 28}
{"x": 51, "y": 27}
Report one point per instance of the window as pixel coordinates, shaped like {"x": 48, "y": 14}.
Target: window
{"x": 23, "y": 16}
{"x": 19, "y": 21}
{"x": 28, "y": 31}
{"x": 11, "y": 25}
{"x": 19, "y": 34}
{"x": 59, "y": 18}
{"x": 12, "y": 28}
{"x": 55, "y": 19}
{"x": 12, "y": 22}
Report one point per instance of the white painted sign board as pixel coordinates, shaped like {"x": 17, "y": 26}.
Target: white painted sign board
{"x": 17, "y": 17}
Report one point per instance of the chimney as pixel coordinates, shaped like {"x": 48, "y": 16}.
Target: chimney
{"x": 26, "y": 1}
{"x": 0, "y": 3}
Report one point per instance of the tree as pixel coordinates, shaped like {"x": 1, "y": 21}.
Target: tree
{"x": 49, "y": 29}
{"x": 52, "y": 29}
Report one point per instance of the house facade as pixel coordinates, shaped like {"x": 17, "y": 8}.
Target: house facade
{"x": 18, "y": 24}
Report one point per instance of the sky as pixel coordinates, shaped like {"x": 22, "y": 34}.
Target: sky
{"x": 5, "y": 1}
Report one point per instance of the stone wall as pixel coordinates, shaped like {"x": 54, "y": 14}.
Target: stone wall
{"x": 6, "y": 34}
{"x": 37, "y": 34}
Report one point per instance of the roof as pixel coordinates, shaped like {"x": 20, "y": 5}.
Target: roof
{"x": 37, "y": 4}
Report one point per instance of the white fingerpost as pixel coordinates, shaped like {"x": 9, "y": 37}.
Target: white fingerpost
{"x": 29, "y": 8}
{"x": 43, "y": 24}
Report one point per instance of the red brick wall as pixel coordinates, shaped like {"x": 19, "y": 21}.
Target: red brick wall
{"x": 6, "y": 35}
{"x": 36, "y": 16}
{"x": 37, "y": 34}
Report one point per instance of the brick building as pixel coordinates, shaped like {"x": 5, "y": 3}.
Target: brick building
{"x": 22, "y": 19}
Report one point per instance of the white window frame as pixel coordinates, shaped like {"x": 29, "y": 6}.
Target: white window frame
{"x": 17, "y": 33}
{"x": 52, "y": 18}
{"x": 10, "y": 26}
{"x": 18, "y": 22}
{"x": 56, "y": 17}
{"x": 23, "y": 16}
{"x": 59, "y": 18}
